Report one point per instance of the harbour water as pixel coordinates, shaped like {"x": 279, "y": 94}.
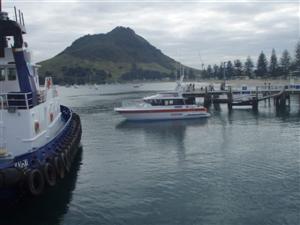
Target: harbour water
{"x": 233, "y": 168}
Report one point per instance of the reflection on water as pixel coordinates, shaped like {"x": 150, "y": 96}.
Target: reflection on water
{"x": 51, "y": 206}
{"x": 169, "y": 132}
{"x": 161, "y": 126}
{"x": 238, "y": 167}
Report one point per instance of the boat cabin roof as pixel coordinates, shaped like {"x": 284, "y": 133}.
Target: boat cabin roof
{"x": 164, "y": 95}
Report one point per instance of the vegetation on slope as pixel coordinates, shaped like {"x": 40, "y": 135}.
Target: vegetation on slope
{"x": 119, "y": 55}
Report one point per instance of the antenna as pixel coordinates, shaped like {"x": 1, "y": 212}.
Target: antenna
{"x": 202, "y": 63}
{"x": 23, "y": 23}
{"x": 16, "y": 17}
{"x": 20, "y": 21}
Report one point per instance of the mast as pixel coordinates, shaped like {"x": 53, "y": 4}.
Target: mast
{"x": 179, "y": 82}
{"x": 13, "y": 28}
{"x": 3, "y": 42}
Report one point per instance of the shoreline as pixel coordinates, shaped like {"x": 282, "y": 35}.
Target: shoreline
{"x": 251, "y": 82}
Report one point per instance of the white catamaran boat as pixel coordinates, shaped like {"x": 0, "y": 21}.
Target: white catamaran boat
{"x": 38, "y": 136}
{"x": 165, "y": 106}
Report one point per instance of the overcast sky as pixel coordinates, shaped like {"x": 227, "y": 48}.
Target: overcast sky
{"x": 192, "y": 32}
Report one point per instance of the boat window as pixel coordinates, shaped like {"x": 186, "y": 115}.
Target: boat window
{"x": 2, "y": 74}
{"x": 12, "y": 74}
{"x": 177, "y": 102}
{"x": 190, "y": 101}
{"x": 155, "y": 102}
{"x": 160, "y": 102}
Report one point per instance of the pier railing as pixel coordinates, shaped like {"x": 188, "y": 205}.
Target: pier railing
{"x": 244, "y": 95}
{"x": 243, "y": 90}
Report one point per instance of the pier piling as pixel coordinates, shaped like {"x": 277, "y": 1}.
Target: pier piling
{"x": 281, "y": 97}
{"x": 230, "y": 99}
{"x": 255, "y": 103}
{"x": 207, "y": 98}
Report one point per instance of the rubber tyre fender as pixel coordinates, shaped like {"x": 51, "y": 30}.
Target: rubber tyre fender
{"x": 64, "y": 158}
{"x": 59, "y": 167}
{"x": 49, "y": 174}
{"x": 35, "y": 182}
{"x": 68, "y": 160}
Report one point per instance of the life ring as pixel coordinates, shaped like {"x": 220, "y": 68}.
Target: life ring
{"x": 59, "y": 167}
{"x": 35, "y": 182}
{"x": 50, "y": 174}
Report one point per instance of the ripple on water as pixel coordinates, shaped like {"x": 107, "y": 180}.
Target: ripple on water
{"x": 238, "y": 168}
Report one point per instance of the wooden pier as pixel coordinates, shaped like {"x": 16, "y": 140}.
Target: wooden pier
{"x": 279, "y": 93}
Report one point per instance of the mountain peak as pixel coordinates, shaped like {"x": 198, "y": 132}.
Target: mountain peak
{"x": 121, "y": 44}
{"x": 119, "y": 54}
{"x": 123, "y": 30}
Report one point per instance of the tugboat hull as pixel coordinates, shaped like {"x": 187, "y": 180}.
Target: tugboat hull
{"x": 31, "y": 173}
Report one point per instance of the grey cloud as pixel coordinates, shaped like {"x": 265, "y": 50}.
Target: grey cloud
{"x": 218, "y": 31}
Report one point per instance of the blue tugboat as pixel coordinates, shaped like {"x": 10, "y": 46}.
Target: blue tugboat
{"x": 39, "y": 138}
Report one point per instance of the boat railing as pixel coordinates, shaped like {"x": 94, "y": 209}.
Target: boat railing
{"x": 2, "y": 132}
{"x": 16, "y": 100}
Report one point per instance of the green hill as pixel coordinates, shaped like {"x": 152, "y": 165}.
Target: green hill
{"x": 120, "y": 55}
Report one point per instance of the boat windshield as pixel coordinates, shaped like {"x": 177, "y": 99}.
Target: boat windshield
{"x": 133, "y": 103}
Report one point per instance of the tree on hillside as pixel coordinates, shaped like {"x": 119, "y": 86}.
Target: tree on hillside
{"x": 248, "y": 67}
{"x": 273, "y": 68}
{"x": 295, "y": 67}
{"x": 297, "y": 55}
{"x": 204, "y": 73}
{"x": 229, "y": 70}
{"x": 262, "y": 65}
{"x": 209, "y": 71}
{"x": 216, "y": 71}
{"x": 285, "y": 63}
{"x": 191, "y": 75}
{"x": 238, "y": 66}
{"x": 222, "y": 71}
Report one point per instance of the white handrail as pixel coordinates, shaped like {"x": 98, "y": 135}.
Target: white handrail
{"x": 2, "y": 137}
{"x": 2, "y": 107}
